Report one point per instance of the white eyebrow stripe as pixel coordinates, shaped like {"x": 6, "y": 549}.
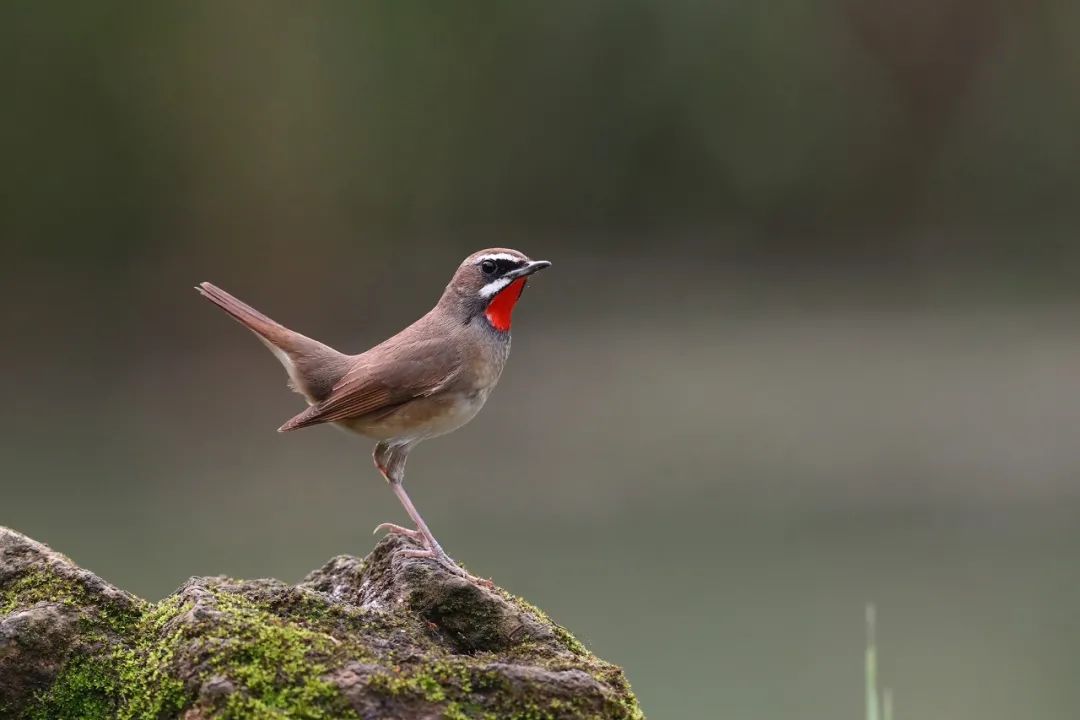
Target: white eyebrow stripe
{"x": 494, "y": 286}
{"x": 502, "y": 256}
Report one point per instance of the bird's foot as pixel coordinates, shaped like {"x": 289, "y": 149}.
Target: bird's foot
{"x": 435, "y": 553}
{"x": 421, "y": 554}
{"x": 438, "y": 555}
{"x": 432, "y": 551}
{"x": 430, "y": 548}
{"x": 398, "y": 530}
{"x": 446, "y": 561}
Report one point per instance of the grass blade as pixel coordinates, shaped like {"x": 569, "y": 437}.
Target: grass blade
{"x": 873, "y": 711}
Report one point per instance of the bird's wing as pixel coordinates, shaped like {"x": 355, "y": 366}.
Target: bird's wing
{"x": 401, "y": 369}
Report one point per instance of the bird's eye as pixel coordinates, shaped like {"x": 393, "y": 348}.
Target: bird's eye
{"x": 488, "y": 266}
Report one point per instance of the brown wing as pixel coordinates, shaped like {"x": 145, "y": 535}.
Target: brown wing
{"x": 401, "y": 369}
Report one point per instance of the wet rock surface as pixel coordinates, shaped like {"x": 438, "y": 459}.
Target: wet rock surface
{"x": 387, "y": 636}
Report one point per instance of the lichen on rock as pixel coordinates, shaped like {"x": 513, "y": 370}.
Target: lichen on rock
{"x": 390, "y": 636}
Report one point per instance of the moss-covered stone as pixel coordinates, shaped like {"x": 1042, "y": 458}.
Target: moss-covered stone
{"x": 49, "y": 585}
{"x": 114, "y": 676}
{"x": 391, "y": 636}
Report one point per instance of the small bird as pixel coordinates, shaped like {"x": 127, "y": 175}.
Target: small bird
{"x": 429, "y": 379}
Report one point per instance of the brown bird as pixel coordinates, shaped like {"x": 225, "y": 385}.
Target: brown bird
{"x": 429, "y": 379}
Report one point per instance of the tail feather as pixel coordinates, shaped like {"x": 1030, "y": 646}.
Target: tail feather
{"x": 313, "y": 367}
{"x": 249, "y": 317}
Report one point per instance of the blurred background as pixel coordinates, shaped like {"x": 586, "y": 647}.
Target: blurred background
{"x": 810, "y": 338}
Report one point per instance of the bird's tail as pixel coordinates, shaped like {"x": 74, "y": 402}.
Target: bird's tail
{"x": 312, "y": 366}
{"x": 272, "y": 332}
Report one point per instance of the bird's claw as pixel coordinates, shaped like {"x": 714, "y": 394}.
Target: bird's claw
{"x": 431, "y": 553}
{"x": 398, "y": 530}
{"x": 446, "y": 561}
{"x": 421, "y": 554}
{"x": 439, "y": 556}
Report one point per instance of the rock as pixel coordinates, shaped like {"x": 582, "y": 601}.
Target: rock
{"x": 389, "y": 636}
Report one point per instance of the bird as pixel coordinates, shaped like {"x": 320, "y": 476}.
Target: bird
{"x": 427, "y": 380}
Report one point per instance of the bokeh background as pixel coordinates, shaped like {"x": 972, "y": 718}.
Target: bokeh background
{"x": 810, "y": 339}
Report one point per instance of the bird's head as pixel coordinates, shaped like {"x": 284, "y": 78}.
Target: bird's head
{"x": 489, "y": 282}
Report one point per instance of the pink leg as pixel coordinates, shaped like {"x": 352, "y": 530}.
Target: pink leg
{"x": 432, "y": 545}
{"x": 390, "y": 460}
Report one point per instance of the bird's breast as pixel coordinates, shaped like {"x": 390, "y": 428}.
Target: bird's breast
{"x": 422, "y": 418}
{"x": 482, "y": 358}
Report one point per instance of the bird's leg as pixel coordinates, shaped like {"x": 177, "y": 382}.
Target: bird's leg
{"x": 433, "y": 548}
{"x": 391, "y": 464}
{"x": 390, "y": 460}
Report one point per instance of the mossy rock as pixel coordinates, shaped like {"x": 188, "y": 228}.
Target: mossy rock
{"x": 390, "y": 636}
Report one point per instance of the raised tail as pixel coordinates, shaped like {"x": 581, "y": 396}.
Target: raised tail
{"x": 313, "y": 367}
{"x": 273, "y": 332}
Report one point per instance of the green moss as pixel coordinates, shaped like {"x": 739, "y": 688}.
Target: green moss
{"x": 313, "y": 611}
{"x": 86, "y": 688}
{"x": 611, "y": 675}
{"x": 570, "y": 642}
{"x": 276, "y": 665}
{"x": 420, "y": 686}
{"x": 34, "y": 587}
{"x": 454, "y": 684}
{"x": 454, "y": 711}
{"x": 43, "y": 586}
{"x": 120, "y": 685}
{"x": 470, "y": 689}
{"x": 434, "y": 682}
{"x": 277, "y": 646}
{"x": 148, "y": 690}
{"x": 279, "y": 666}
{"x": 116, "y": 681}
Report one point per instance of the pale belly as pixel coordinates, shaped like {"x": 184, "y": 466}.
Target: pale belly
{"x": 420, "y": 419}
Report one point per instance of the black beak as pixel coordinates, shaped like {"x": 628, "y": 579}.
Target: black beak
{"x": 527, "y": 269}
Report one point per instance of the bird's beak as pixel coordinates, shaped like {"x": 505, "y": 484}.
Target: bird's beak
{"x": 527, "y": 269}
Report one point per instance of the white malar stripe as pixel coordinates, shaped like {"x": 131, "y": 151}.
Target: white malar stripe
{"x": 494, "y": 286}
{"x": 502, "y": 256}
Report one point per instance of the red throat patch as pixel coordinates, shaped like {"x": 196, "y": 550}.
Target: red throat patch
{"x": 501, "y": 306}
